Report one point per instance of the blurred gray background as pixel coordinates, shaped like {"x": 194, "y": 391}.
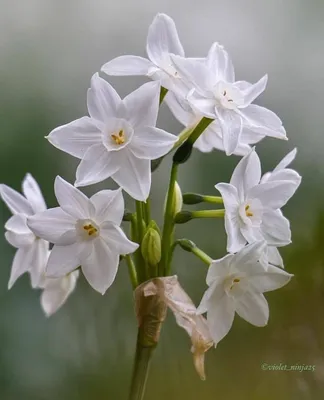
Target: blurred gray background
{"x": 48, "y": 51}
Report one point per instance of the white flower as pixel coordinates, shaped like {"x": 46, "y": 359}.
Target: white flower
{"x": 118, "y": 140}
{"x": 56, "y": 291}
{"x": 236, "y": 283}
{"x": 281, "y": 172}
{"x": 162, "y": 41}
{"x": 215, "y": 94}
{"x": 211, "y": 138}
{"x": 85, "y": 232}
{"x": 252, "y": 209}
{"x": 31, "y": 254}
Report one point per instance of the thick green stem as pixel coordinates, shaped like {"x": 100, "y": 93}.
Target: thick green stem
{"x": 213, "y": 199}
{"x": 202, "y": 255}
{"x": 147, "y": 211}
{"x": 208, "y": 213}
{"x": 168, "y": 225}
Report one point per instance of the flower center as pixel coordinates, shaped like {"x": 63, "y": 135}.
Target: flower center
{"x": 248, "y": 212}
{"x": 235, "y": 285}
{"x": 234, "y": 282}
{"x": 119, "y": 138}
{"x": 228, "y": 96}
{"x": 87, "y": 229}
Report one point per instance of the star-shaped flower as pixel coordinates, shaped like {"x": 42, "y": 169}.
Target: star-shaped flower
{"x": 217, "y": 95}
{"x": 252, "y": 209}
{"x": 31, "y": 254}
{"x": 118, "y": 140}
{"x": 85, "y": 232}
{"x": 236, "y": 285}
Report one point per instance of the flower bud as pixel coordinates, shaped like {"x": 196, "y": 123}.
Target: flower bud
{"x": 151, "y": 246}
{"x": 183, "y": 217}
{"x": 192, "y": 198}
{"x": 176, "y": 201}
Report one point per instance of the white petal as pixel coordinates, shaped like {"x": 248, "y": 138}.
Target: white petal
{"x": 274, "y": 278}
{"x": 64, "y": 259}
{"x": 100, "y": 267}
{"x": 76, "y": 137}
{"x": 17, "y": 224}
{"x": 20, "y": 239}
{"x": 251, "y": 233}
{"x": 263, "y": 121}
{"x": 230, "y": 196}
{"x": 249, "y": 254}
{"x": 72, "y": 200}
{"x": 51, "y": 224}
{"x": 253, "y": 307}
{"x": 33, "y": 193}
{"x": 274, "y": 257}
{"x": 275, "y": 228}
{"x": 15, "y": 201}
{"x": 38, "y": 261}
{"x": 56, "y": 292}
{"x": 235, "y": 239}
{"x": 97, "y": 165}
{"x": 220, "y": 316}
{"x": 246, "y": 174}
{"x": 116, "y": 239}
{"x": 20, "y": 265}
{"x": 183, "y": 114}
{"x": 288, "y": 159}
{"x": 219, "y": 269}
{"x": 127, "y": 66}
{"x": 202, "y": 106}
{"x": 219, "y": 62}
{"x": 151, "y": 143}
{"x": 203, "y": 143}
{"x": 231, "y": 127}
{"x": 109, "y": 206}
{"x": 163, "y": 38}
{"x": 102, "y": 99}
{"x": 286, "y": 174}
{"x": 273, "y": 194}
{"x": 143, "y": 105}
{"x": 252, "y": 91}
{"x": 134, "y": 176}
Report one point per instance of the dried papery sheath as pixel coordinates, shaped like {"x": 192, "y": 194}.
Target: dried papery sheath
{"x": 167, "y": 291}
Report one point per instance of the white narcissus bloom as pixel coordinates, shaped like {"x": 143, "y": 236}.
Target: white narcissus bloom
{"x": 236, "y": 284}
{"x": 252, "y": 209}
{"x": 162, "y": 41}
{"x": 217, "y": 95}
{"x": 85, "y": 232}
{"x": 211, "y": 138}
{"x": 56, "y": 291}
{"x": 31, "y": 254}
{"x": 119, "y": 140}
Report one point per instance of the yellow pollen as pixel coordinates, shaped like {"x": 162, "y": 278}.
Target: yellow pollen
{"x": 236, "y": 280}
{"x": 91, "y": 230}
{"x": 247, "y": 212}
{"x": 119, "y": 138}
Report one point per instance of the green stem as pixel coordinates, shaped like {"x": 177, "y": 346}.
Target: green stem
{"x": 201, "y": 255}
{"x": 140, "y": 370}
{"x": 132, "y": 270}
{"x": 140, "y": 219}
{"x": 147, "y": 211}
{"x": 213, "y": 199}
{"x": 168, "y": 224}
{"x": 208, "y": 213}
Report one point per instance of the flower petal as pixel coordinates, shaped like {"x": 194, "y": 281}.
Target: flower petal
{"x": 253, "y": 307}
{"x": 116, "y": 239}
{"x": 249, "y": 254}
{"x": 275, "y": 228}
{"x": 72, "y": 200}
{"x": 102, "y": 99}
{"x": 64, "y": 259}
{"x": 288, "y": 159}
{"x": 219, "y": 62}
{"x": 51, "y": 224}
{"x": 273, "y": 194}
{"x": 39, "y": 257}
{"x": 134, "y": 176}
{"x": 231, "y": 127}
{"x": 20, "y": 265}
{"x": 76, "y": 137}
{"x": 33, "y": 193}
{"x": 142, "y": 105}
{"x": 274, "y": 257}
{"x": 109, "y": 206}
{"x": 100, "y": 267}
{"x": 97, "y": 165}
{"x": 15, "y": 201}
{"x": 127, "y": 66}
{"x": 251, "y": 91}
{"x": 177, "y": 106}
{"x": 151, "y": 143}
{"x": 246, "y": 174}
{"x": 17, "y": 224}
{"x": 163, "y": 38}
{"x": 56, "y": 292}
{"x": 20, "y": 239}
{"x": 274, "y": 278}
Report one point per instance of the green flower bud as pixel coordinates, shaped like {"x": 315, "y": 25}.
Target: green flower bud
{"x": 177, "y": 200}
{"x": 192, "y": 198}
{"x": 151, "y": 246}
{"x": 183, "y": 217}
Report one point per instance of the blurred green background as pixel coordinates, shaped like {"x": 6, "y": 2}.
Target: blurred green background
{"x": 48, "y": 51}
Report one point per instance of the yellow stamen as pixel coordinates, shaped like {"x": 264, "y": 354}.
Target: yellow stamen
{"x": 247, "y": 212}
{"x": 119, "y": 138}
{"x": 91, "y": 230}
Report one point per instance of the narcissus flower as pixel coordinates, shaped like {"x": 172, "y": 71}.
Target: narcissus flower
{"x": 31, "y": 254}
{"x": 118, "y": 140}
{"x": 236, "y": 284}
{"x": 85, "y": 232}
{"x": 252, "y": 209}
{"x": 162, "y": 41}
{"x": 217, "y": 95}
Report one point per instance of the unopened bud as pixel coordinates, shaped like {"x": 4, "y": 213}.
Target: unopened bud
{"x": 186, "y": 244}
{"x": 192, "y": 198}
{"x": 183, "y": 217}
{"x": 151, "y": 246}
{"x": 177, "y": 200}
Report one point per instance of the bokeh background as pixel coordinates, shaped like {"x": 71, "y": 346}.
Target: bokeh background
{"x": 48, "y": 51}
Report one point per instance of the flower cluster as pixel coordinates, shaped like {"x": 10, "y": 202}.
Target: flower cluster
{"x": 119, "y": 140}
